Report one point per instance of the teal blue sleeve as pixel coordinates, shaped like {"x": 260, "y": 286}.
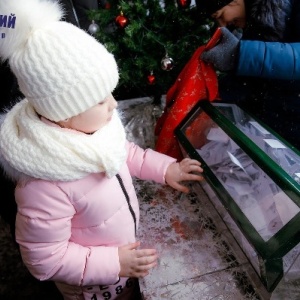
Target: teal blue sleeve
{"x": 272, "y": 60}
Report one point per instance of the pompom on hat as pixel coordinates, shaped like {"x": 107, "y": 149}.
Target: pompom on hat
{"x": 211, "y": 6}
{"x": 61, "y": 70}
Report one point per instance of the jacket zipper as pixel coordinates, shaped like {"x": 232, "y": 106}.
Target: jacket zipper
{"x": 128, "y": 200}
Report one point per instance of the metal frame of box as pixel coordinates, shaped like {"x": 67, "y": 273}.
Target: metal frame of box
{"x": 271, "y": 251}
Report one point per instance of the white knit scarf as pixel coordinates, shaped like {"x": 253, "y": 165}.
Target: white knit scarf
{"x": 52, "y": 153}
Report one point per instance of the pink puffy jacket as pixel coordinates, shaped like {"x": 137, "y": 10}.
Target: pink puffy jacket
{"x": 69, "y": 232}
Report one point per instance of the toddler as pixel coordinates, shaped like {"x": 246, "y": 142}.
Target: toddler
{"x": 65, "y": 147}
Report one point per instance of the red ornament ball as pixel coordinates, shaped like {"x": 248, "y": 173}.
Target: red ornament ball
{"x": 183, "y": 3}
{"x": 121, "y": 21}
{"x": 151, "y": 79}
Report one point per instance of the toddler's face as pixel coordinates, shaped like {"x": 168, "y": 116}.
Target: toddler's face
{"x": 94, "y": 118}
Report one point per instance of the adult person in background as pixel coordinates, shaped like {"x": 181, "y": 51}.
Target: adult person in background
{"x": 75, "y": 12}
{"x": 261, "y": 71}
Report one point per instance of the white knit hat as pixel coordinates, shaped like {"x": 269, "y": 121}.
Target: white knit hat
{"x": 61, "y": 69}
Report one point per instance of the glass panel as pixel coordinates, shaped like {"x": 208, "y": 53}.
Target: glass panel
{"x": 234, "y": 229}
{"x": 265, "y": 205}
{"x": 281, "y": 154}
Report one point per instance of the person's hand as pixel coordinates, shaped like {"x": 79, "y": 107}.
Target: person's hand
{"x": 181, "y": 171}
{"x": 136, "y": 262}
{"x": 224, "y": 55}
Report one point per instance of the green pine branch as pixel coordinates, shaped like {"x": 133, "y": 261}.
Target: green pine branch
{"x": 154, "y": 29}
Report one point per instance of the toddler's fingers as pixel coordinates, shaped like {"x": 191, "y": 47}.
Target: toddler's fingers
{"x": 149, "y": 260}
{"x": 194, "y": 177}
{"x": 189, "y": 161}
{"x": 145, "y": 252}
{"x": 151, "y": 266}
{"x": 180, "y": 187}
{"x": 195, "y": 162}
{"x": 131, "y": 246}
{"x": 147, "y": 268}
{"x": 195, "y": 169}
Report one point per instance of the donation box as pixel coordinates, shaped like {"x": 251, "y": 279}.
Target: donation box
{"x": 255, "y": 176}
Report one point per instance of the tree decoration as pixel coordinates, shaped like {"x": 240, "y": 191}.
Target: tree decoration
{"x": 151, "y": 28}
{"x": 121, "y": 20}
{"x": 104, "y": 4}
{"x": 183, "y": 3}
{"x": 151, "y": 78}
{"x": 93, "y": 28}
{"x": 167, "y": 63}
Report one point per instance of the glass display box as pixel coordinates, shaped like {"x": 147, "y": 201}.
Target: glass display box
{"x": 255, "y": 175}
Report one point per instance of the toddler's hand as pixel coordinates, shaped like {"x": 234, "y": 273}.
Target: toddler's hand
{"x": 136, "y": 262}
{"x": 177, "y": 172}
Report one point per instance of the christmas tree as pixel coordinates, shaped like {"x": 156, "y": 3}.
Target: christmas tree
{"x": 152, "y": 40}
